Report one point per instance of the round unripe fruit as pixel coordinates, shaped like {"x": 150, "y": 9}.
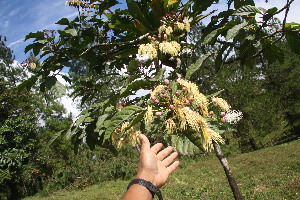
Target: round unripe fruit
{"x": 191, "y": 99}
{"x": 153, "y": 98}
{"x": 171, "y": 107}
{"x": 158, "y": 114}
{"x": 170, "y": 89}
{"x": 222, "y": 114}
{"x": 166, "y": 81}
{"x": 211, "y": 113}
{"x": 223, "y": 119}
{"x": 164, "y": 96}
{"x": 162, "y": 92}
{"x": 177, "y": 93}
{"x": 184, "y": 89}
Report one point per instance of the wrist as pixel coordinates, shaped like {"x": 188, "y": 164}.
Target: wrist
{"x": 143, "y": 174}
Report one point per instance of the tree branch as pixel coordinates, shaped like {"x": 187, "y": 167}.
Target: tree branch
{"x": 115, "y": 43}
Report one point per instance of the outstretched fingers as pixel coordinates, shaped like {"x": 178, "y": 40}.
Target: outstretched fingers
{"x": 170, "y": 159}
{"x": 164, "y": 153}
{"x": 172, "y": 167}
{"x": 156, "y": 147}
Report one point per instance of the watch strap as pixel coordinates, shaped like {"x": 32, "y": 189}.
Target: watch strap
{"x": 152, "y": 188}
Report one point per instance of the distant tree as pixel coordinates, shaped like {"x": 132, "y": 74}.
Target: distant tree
{"x": 157, "y": 29}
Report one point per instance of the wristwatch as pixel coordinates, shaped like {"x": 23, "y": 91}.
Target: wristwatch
{"x": 153, "y": 189}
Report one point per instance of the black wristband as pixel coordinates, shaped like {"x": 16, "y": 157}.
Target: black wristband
{"x": 153, "y": 189}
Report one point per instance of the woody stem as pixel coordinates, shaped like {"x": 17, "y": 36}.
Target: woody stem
{"x": 233, "y": 185}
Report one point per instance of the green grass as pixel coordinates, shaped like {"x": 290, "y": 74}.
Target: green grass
{"x": 271, "y": 173}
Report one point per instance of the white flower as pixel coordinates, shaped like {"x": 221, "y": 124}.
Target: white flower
{"x": 187, "y": 19}
{"x": 233, "y": 116}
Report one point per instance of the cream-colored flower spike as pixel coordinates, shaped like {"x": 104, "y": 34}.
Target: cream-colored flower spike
{"x": 222, "y": 104}
{"x": 148, "y": 118}
{"x": 210, "y": 136}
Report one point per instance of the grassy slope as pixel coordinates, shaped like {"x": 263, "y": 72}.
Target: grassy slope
{"x": 271, "y": 173}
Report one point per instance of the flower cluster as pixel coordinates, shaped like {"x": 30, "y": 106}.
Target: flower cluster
{"x": 171, "y": 30}
{"x": 172, "y": 48}
{"x": 124, "y": 135}
{"x": 184, "y": 107}
{"x": 148, "y": 49}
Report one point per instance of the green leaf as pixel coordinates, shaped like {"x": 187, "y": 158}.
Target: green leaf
{"x": 194, "y": 67}
{"x": 240, "y": 3}
{"x": 214, "y": 94}
{"x": 292, "y": 36}
{"x": 272, "y": 52}
{"x": 137, "y": 119}
{"x": 50, "y": 82}
{"x": 36, "y": 47}
{"x": 120, "y": 117}
{"x": 219, "y": 58}
{"x": 27, "y": 84}
{"x": 195, "y": 138}
{"x": 63, "y": 21}
{"x": 212, "y": 35}
{"x": 72, "y": 31}
{"x": 38, "y": 36}
{"x": 58, "y": 90}
{"x": 246, "y": 9}
{"x": 184, "y": 146}
{"x": 235, "y": 30}
{"x": 269, "y": 13}
{"x": 100, "y": 122}
{"x": 136, "y": 13}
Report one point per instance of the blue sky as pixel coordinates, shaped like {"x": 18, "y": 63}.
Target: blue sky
{"x": 20, "y": 17}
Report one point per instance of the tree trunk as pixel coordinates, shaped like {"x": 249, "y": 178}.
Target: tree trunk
{"x": 233, "y": 185}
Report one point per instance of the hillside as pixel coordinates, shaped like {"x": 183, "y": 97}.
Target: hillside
{"x": 270, "y": 173}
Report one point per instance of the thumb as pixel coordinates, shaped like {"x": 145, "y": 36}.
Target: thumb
{"x": 145, "y": 144}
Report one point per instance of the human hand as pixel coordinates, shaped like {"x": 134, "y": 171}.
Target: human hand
{"x": 155, "y": 166}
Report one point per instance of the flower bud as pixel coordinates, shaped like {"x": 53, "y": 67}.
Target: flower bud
{"x": 191, "y": 99}
{"x": 164, "y": 96}
{"x": 165, "y": 36}
{"x": 170, "y": 89}
{"x": 223, "y": 119}
{"x": 159, "y": 35}
{"x": 211, "y": 113}
{"x": 153, "y": 98}
{"x": 222, "y": 114}
{"x": 149, "y": 37}
{"x": 187, "y": 101}
{"x": 156, "y": 101}
{"x": 184, "y": 89}
{"x": 171, "y": 107}
{"x": 179, "y": 106}
{"x": 177, "y": 93}
{"x": 214, "y": 100}
{"x": 158, "y": 114}
{"x": 162, "y": 92}
{"x": 166, "y": 81}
